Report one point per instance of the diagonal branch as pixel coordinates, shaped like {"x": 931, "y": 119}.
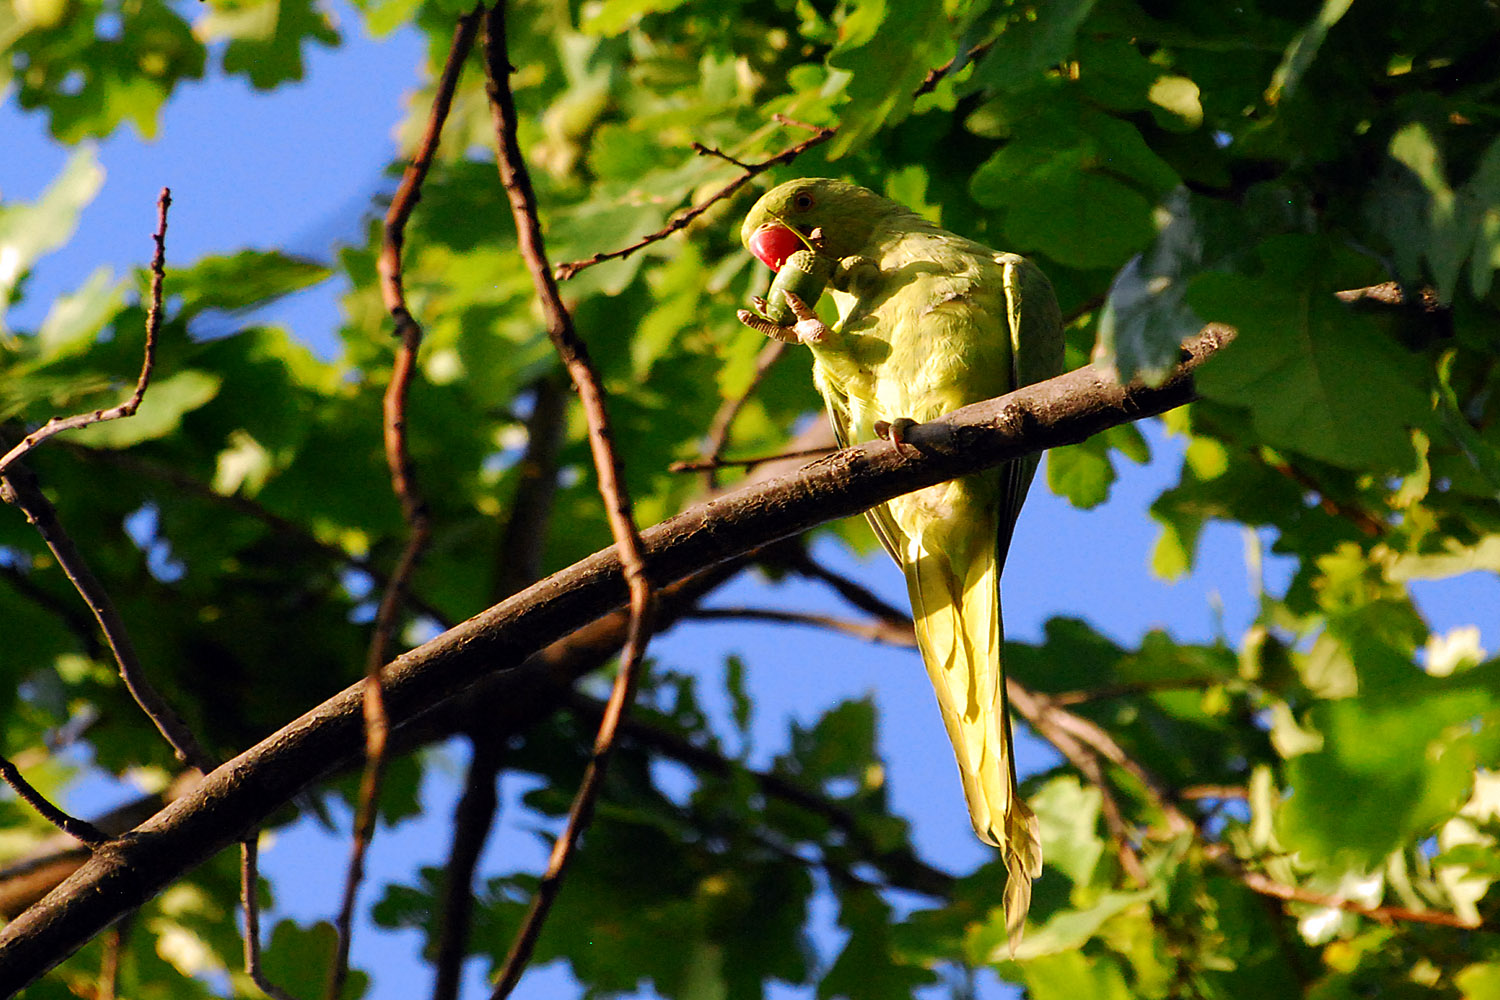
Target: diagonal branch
{"x": 607, "y": 466}
{"x": 153, "y": 326}
{"x": 244, "y": 791}
{"x": 403, "y": 482}
{"x": 18, "y": 486}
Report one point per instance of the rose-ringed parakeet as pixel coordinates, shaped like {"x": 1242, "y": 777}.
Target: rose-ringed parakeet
{"x": 928, "y": 322}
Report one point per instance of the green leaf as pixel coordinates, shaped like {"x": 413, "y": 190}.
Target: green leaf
{"x": 1317, "y": 377}
{"x": 297, "y": 959}
{"x": 90, "y": 78}
{"x": 1146, "y": 316}
{"x": 1409, "y": 759}
{"x": 248, "y": 278}
{"x": 1479, "y": 981}
{"x": 1067, "y": 931}
{"x": 1069, "y": 815}
{"x": 1031, "y": 44}
{"x": 1084, "y": 472}
{"x": 869, "y": 965}
{"x": 1071, "y": 975}
{"x": 31, "y": 231}
{"x": 74, "y": 321}
{"x": 162, "y": 410}
{"x": 1303, "y": 49}
{"x": 267, "y": 38}
{"x": 888, "y": 46}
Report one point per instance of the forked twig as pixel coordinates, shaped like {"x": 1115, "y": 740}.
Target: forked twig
{"x": 403, "y": 483}
{"x": 153, "y": 326}
{"x": 751, "y": 170}
{"x": 517, "y": 183}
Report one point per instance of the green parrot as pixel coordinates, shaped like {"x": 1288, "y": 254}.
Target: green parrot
{"x": 928, "y": 322}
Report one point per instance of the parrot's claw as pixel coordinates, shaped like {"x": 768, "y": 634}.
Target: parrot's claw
{"x": 894, "y": 431}
{"x": 761, "y": 325}
{"x": 807, "y": 330}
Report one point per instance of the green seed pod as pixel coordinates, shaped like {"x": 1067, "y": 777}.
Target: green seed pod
{"x": 803, "y": 274}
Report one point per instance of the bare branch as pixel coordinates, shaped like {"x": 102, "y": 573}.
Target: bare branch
{"x": 799, "y": 560}
{"x": 153, "y": 326}
{"x": 607, "y": 466}
{"x": 250, "y": 909}
{"x": 18, "y": 486}
{"x": 403, "y": 483}
{"x": 1267, "y": 886}
{"x": 723, "y": 422}
{"x": 751, "y": 170}
{"x": 706, "y": 465}
{"x": 876, "y": 631}
{"x": 71, "y": 825}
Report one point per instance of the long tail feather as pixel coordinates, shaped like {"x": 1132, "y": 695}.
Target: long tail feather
{"x": 956, "y": 608}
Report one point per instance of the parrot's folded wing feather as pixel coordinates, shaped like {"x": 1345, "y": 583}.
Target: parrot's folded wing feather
{"x": 879, "y": 517}
{"x": 956, "y": 610}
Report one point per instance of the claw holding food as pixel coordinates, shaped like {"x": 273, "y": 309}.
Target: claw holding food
{"x": 894, "y": 431}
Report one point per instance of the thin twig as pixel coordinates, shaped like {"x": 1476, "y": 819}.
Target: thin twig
{"x": 71, "y": 825}
{"x": 1107, "y": 692}
{"x": 703, "y": 150}
{"x": 799, "y": 560}
{"x": 403, "y": 482}
{"x": 517, "y": 182}
{"x": 18, "y": 486}
{"x": 109, "y": 962}
{"x": 751, "y": 170}
{"x": 750, "y": 462}
{"x": 153, "y": 326}
{"x": 930, "y": 81}
{"x": 876, "y": 631}
{"x": 723, "y": 422}
{"x": 1268, "y": 886}
{"x": 1368, "y": 524}
{"x": 250, "y": 909}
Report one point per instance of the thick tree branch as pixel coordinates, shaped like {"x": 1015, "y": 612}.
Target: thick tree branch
{"x": 242, "y": 792}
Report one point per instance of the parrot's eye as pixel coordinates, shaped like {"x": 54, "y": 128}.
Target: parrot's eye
{"x": 803, "y": 201}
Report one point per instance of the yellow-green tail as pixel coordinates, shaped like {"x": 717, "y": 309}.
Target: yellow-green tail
{"x": 956, "y": 607}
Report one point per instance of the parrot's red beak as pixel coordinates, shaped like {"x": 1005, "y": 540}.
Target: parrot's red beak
{"x": 773, "y": 243}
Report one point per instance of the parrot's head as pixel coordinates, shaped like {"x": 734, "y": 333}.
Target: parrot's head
{"x": 846, "y": 213}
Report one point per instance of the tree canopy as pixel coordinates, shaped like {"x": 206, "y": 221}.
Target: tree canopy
{"x": 1308, "y": 809}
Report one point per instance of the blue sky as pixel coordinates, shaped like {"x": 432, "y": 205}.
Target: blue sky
{"x": 297, "y": 169}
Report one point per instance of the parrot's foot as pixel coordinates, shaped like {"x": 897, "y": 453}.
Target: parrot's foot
{"x": 894, "y": 431}
{"x": 807, "y": 330}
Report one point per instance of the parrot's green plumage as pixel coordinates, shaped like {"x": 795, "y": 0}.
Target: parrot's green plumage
{"x": 928, "y": 322}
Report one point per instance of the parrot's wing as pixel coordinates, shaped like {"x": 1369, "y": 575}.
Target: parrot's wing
{"x": 880, "y": 518}
{"x": 1036, "y": 352}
